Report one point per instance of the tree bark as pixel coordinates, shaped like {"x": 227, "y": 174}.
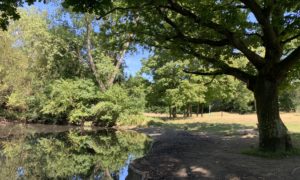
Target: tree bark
{"x": 119, "y": 60}
{"x": 170, "y": 112}
{"x": 198, "y": 109}
{"x": 107, "y": 175}
{"x": 190, "y": 110}
{"x": 202, "y": 109}
{"x": 90, "y": 56}
{"x": 187, "y": 111}
{"x": 273, "y": 134}
{"x": 174, "y": 113}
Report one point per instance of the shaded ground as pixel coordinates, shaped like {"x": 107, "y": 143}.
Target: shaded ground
{"x": 192, "y": 155}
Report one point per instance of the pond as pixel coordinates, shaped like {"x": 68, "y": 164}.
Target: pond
{"x": 61, "y": 152}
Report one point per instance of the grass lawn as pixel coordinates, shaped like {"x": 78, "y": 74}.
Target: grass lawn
{"x": 223, "y": 123}
{"x": 291, "y": 120}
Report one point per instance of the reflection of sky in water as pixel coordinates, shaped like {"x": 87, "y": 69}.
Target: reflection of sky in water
{"x": 123, "y": 173}
{"x": 20, "y": 172}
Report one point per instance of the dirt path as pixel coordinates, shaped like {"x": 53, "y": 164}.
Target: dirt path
{"x": 182, "y": 155}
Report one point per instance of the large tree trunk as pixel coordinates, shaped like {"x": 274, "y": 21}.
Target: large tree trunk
{"x": 273, "y": 134}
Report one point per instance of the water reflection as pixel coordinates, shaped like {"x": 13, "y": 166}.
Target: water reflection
{"x": 74, "y": 154}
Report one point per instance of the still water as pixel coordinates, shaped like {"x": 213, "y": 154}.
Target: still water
{"x": 60, "y": 152}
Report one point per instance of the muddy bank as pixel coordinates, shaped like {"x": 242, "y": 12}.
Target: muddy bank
{"x": 182, "y": 155}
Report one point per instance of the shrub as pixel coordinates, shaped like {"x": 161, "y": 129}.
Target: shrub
{"x": 70, "y": 99}
{"x": 105, "y": 113}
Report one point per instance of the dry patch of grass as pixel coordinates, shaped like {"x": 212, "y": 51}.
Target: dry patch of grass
{"x": 230, "y": 124}
{"x": 292, "y": 120}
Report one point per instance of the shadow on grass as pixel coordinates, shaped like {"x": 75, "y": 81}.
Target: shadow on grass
{"x": 294, "y": 152}
{"x": 213, "y": 128}
{"x": 272, "y": 155}
{"x": 237, "y": 130}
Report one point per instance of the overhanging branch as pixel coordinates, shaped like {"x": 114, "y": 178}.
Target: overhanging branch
{"x": 236, "y": 42}
{"x": 285, "y": 65}
{"x": 290, "y": 39}
{"x": 214, "y": 73}
{"x": 181, "y": 36}
{"x": 223, "y": 67}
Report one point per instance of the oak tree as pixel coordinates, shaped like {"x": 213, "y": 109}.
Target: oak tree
{"x": 217, "y": 33}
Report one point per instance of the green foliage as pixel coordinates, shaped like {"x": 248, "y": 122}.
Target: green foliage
{"x": 9, "y": 11}
{"x": 70, "y": 99}
{"x": 47, "y": 76}
{"x": 106, "y": 113}
{"x": 171, "y": 87}
{"x": 138, "y": 120}
{"x": 233, "y": 97}
{"x": 79, "y": 100}
{"x": 79, "y": 115}
{"x": 289, "y": 96}
{"x": 118, "y": 101}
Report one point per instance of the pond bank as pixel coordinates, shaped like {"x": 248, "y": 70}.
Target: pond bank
{"x": 184, "y": 155}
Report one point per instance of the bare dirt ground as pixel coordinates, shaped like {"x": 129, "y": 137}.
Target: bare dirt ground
{"x": 185, "y": 155}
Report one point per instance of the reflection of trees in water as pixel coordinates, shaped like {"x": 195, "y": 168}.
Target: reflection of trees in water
{"x": 89, "y": 155}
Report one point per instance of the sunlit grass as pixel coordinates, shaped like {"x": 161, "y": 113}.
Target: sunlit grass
{"x": 230, "y": 124}
{"x": 138, "y": 120}
{"x": 291, "y": 120}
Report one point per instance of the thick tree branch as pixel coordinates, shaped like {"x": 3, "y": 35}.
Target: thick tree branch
{"x": 290, "y": 39}
{"x": 120, "y": 59}
{"x": 270, "y": 34}
{"x": 256, "y": 10}
{"x": 222, "y": 42}
{"x": 224, "y": 68}
{"x": 254, "y": 58}
{"x": 285, "y": 65}
{"x": 220, "y": 72}
{"x": 90, "y": 56}
{"x": 290, "y": 27}
{"x": 180, "y": 35}
{"x": 254, "y": 34}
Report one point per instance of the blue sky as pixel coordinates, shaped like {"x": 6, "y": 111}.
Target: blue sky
{"x": 132, "y": 60}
